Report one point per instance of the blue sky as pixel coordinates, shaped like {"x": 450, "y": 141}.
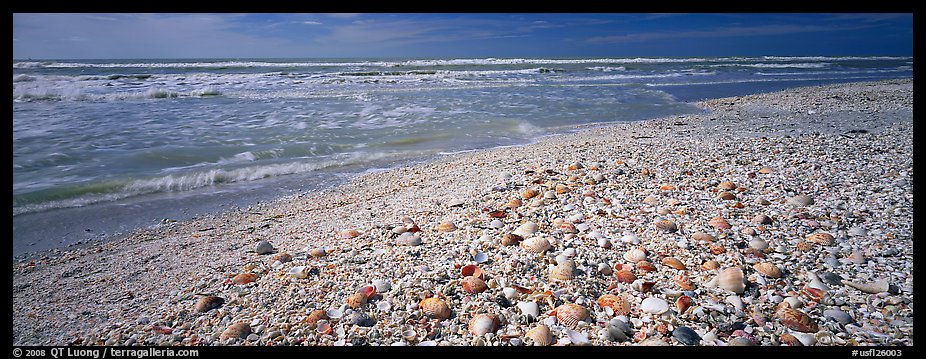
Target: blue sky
{"x": 106, "y": 36}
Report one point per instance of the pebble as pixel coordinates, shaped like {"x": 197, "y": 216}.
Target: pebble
{"x": 263, "y": 247}
{"x": 686, "y": 335}
{"x": 838, "y": 315}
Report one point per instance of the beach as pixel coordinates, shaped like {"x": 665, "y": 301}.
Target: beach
{"x": 767, "y": 219}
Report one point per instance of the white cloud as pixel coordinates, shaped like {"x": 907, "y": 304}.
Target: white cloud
{"x": 311, "y": 23}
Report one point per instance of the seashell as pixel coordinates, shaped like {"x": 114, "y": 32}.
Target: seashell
{"x": 625, "y": 276}
{"x": 802, "y": 246}
{"x": 435, "y": 308}
{"x": 796, "y": 320}
{"x": 790, "y": 340}
{"x": 650, "y": 201}
{"x": 666, "y": 225}
{"x": 498, "y": 214}
{"x": 683, "y": 282}
{"x": 731, "y": 279}
{"x": 367, "y": 290}
{"x": 514, "y": 203}
{"x": 564, "y": 271}
{"x": 526, "y": 229}
{"x": 315, "y": 316}
{"x": 244, "y": 278}
{"x": 571, "y": 314}
{"x": 263, "y": 247}
{"x": 455, "y": 202}
{"x": 666, "y": 187}
{"x": 683, "y": 303}
{"x": 408, "y": 239}
{"x": 719, "y": 223}
{"x": 740, "y": 342}
{"x": 529, "y": 193}
{"x": 300, "y": 272}
{"x": 710, "y": 265}
{"x": 735, "y": 301}
{"x": 511, "y": 239}
{"x": 726, "y": 196}
{"x": 577, "y": 338}
{"x": 561, "y": 188}
{"x": 762, "y": 219}
{"x": 801, "y": 200}
{"x": 238, "y": 330}
{"x": 446, "y": 226}
{"x": 674, "y": 263}
{"x": 471, "y": 270}
{"x": 480, "y": 257}
{"x": 535, "y": 244}
{"x": 483, "y": 323}
{"x": 362, "y": 319}
{"x": 549, "y": 195}
{"x": 645, "y": 266}
{"x": 814, "y": 294}
{"x": 653, "y": 305}
{"x": 620, "y": 305}
{"x": 767, "y": 269}
{"x": 334, "y": 314}
{"x": 318, "y": 252}
{"x": 473, "y": 285}
{"x": 635, "y": 255}
{"x": 208, "y": 303}
{"x": 821, "y": 238}
{"x": 642, "y": 286}
{"x": 349, "y": 233}
{"x": 356, "y": 300}
{"x": 686, "y": 336}
{"x": 540, "y": 335}
{"x": 726, "y": 185}
{"x": 382, "y": 286}
{"x": 281, "y": 257}
{"x": 323, "y": 328}
{"x": 874, "y": 287}
{"x": 604, "y": 242}
{"x": 509, "y": 293}
{"x": 758, "y": 244}
{"x": 702, "y": 237}
{"x": 537, "y": 203}
{"x": 766, "y": 170}
{"x": 529, "y": 309}
{"x": 568, "y": 228}
{"x": 763, "y": 201}
{"x": 716, "y": 249}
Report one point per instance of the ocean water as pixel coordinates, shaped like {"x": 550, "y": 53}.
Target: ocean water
{"x": 114, "y": 132}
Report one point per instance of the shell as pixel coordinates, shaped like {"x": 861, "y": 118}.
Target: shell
{"x": 753, "y": 253}
{"x": 821, "y": 238}
{"x": 535, "y": 244}
{"x": 796, "y": 320}
{"x": 790, "y": 340}
{"x": 349, "y": 233}
{"x": 526, "y": 229}
{"x": 814, "y": 294}
{"x": 710, "y": 265}
{"x": 653, "y": 305}
{"x": 318, "y": 252}
{"x": 208, "y": 303}
{"x": 571, "y": 314}
{"x": 767, "y": 269}
{"x": 561, "y": 188}
{"x": 702, "y": 237}
{"x": 568, "y": 228}
{"x": 529, "y": 309}
{"x": 683, "y": 303}
{"x": 635, "y": 255}
{"x": 263, "y": 247}
{"x": 766, "y": 170}
{"x": 238, "y": 330}
{"x": 315, "y": 316}
{"x": 577, "y": 338}
{"x": 801, "y": 200}
{"x": 473, "y": 285}
{"x": 683, "y": 282}
{"x": 244, "y": 278}
{"x": 620, "y": 305}
{"x": 471, "y": 270}
{"x": 435, "y": 308}
{"x": 731, "y": 279}
{"x": 716, "y": 249}
{"x": 281, "y": 257}
{"x": 666, "y": 225}
{"x": 367, "y": 290}
{"x": 514, "y": 203}
{"x": 540, "y": 335}
{"x": 872, "y": 287}
{"x": 446, "y": 226}
{"x": 334, "y": 314}
{"x": 483, "y": 323}
{"x": 650, "y": 200}
{"x": 645, "y": 266}
{"x": 564, "y": 271}
{"x": 762, "y": 219}
{"x": 726, "y": 185}
{"x": 529, "y": 193}
{"x": 480, "y": 257}
{"x": 719, "y": 223}
{"x": 408, "y": 239}
{"x": 511, "y": 239}
{"x": 625, "y": 276}
{"x": 674, "y": 263}
{"x": 726, "y": 196}
{"x": 356, "y": 300}
{"x": 802, "y": 246}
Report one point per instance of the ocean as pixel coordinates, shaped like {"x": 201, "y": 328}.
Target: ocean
{"x": 103, "y": 146}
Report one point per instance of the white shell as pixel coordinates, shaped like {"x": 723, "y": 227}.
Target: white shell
{"x": 530, "y": 309}
{"x": 510, "y": 293}
{"x": 604, "y": 268}
{"x": 654, "y": 305}
{"x": 382, "y": 286}
{"x": 383, "y": 306}
{"x": 481, "y": 257}
{"x": 815, "y": 282}
{"x": 635, "y": 255}
{"x": 526, "y": 229}
{"x": 408, "y": 239}
{"x": 577, "y": 338}
{"x": 630, "y": 238}
{"x": 334, "y": 314}
{"x": 482, "y": 324}
{"x": 873, "y": 287}
{"x": 736, "y": 301}
{"x": 536, "y": 244}
{"x": 805, "y": 338}
{"x": 604, "y": 242}
{"x": 300, "y": 272}
{"x": 731, "y": 279}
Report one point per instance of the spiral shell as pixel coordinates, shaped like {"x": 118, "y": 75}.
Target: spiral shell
{"x": 726, "y": 185}
{"x": 666, "y": 225}
{"x": 625, "y": 276}
{"x": 710, "y": 265}
{"x": 564, "y": 271}
{"x": 349, "y": 233}
{"x": 483, "y": 323}
{"x": 719, "y": 223}
{"x": 683, "y": 282}
{"x": 535, "y": 244}
{"x": 767, "y": 269}
{"x": 526, "y": 229}
{"x": 620, "y": 305}
{"x": 511, "y": 239}
{"x": 435, "y": 308}
{"x": 540, "y": 335}
{"x": 821, "y": 238}
{"x": 238, "y": 330}
{"x": 208, "y": 303}
{"x": 571, "y": 314}
{"x": 635, "y": 255}
{"x": 473, "y": 285}
{"x": 683, "y": 303}
{"x": 731, "y": 279}
{"x": 674, "y": 263}
{"x": 446, "y": 226}
{"x": 529, "y": 193}
{"x": 315, "y": 316}
{"x": 356, "y": 300}
{"x": 796, "y": 320}
{"x": 244, "y": 278}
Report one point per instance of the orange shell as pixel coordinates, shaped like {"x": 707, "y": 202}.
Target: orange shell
{"x": 666, "y": 225}
{"x": 790, "y": 340}
{"x": 802, "y": 246}
{"x": 471, "y": 270}
{"x": 821, "y": 238}
{"x": 710, "y": 265}
{"x": 511, "y": 239}
{"x": 349, "y": 233}
{"x": 727, "y": 185}
{"x": 237, "y": 330}
{"x": 244, "y": 278}
{"x": 282, "y": 257}
{"x": 767, "y": 269}
{"x": 356, "y": 300}
{"x": 315, "y": 316}
{"x": 683, "y": 282}
{"x": 683, "y": 303}
{"x": 446, "y": 226}
{"x": 813, "y": 293}
{"x": 716, "y": 249}
{"x": 702, "y": 237}
{"x": 726, "y": 196}
{"x": 435, "y": 308}
{"x": 796, "y": 320}
{"x": 666, "y": 187}
{"x": 674, "y": 263}
{"x": 529, "y": 193}
{"x": 473, "y": 285}
{"x": 645, "y": 266}
{"x": 561, "y": 188}
{"x": 514, "y": 203}
{"x": 571, "y": 314}
{"x": 719, "y": 223}
{"x": 617, "y": 303}
{"x": 625, "y": 276}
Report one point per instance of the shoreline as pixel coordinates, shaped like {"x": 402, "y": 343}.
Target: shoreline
{"x": 136, "y": 278}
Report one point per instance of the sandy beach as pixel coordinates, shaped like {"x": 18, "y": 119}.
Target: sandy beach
{"x": 773, "y": 219}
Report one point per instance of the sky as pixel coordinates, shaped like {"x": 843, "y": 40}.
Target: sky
{"x": 340, "y": 35}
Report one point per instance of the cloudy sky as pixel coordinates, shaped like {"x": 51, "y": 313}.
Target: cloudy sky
{"x": 108, "y": 36}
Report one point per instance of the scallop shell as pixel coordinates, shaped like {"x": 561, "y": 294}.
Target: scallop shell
{"x": 731, "y": 279}
{"x": 683, "y": 282}
{"x": 683, "y": 303}
{"x": 821, "y": 238}
{"x": 801, "y": 200}
{"x": 719, "y": 223}
{"x": 654, "y": 305}
{"x": 625, "y": 276}
{"x": 318, "y": 252}
{"x": 635, "y": 255}
{"x": 710, "y": 265}
{"x": 483, "y": 323}
{"x": 529, "y": 193}
{"x": 471, "y": 270}
{"x": 796, "y": 320}
{"x": 540, "y": 335}
{"x": 620, "y": 305}
{"x": 435, "y": 308}
{"x": 349, "y": 233}
{"x": 645, "y": 266}
{"x": 208, "y": 303}
{"x": 702, "y": 237}
{"x": 511, "y": 239}
{"x": 238, "y": 330}
{"x": 765, "y": 170}
{"x": 446, "y": 226}
{"x": 674, "y": 263}
{"x": 526, "y": 229}
{"x": 315, "y": 316}
{"x": 767, "y": 269}
{"x": 571, "y": 314}
{"x": 564, "y": 271}
{"x": 726, "y": 185}
{"x": 473, "y": 285}
{"x": 244, "y": 278}
{"x": 666, "y": 225}
{"x": 535, "y": 244}
{"x": 356, "y": 300}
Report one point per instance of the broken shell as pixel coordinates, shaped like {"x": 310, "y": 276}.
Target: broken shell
{"x": 790, "y": 340}
{"x": 702, "y": 237}
{"x": 473, "y": 285}
{"x": 719, "y": 223}
{"x": 814, "y": 294}
{"x": 334, "y": 314}
{"x": 514, "y": 203}
{"x": 281, "y": 257}
{"x": 710, "y": 265}
{"x": 535, "y": 244}
{"x": 526, "y": 229}
{"x": 318, "y": 252}
{"x": 323, "y": 327}
{"x": 244, "y": 278}
{"x": 684, "y": 282}
{"x": 435, "y": 308}
{"x": 446, "y": 226}
{"x": 315, "y": 316}
{"x": 821, "y": 238}
{"x": 540, "y": 335}
{"x": 529, "y": 193}
{"x": 666, "y": 225}
{"x": 625, "y": 276}
{"x": 576, "y": 338}
{"x": 731, "y": 279}
{"x": 800, "y": 200}
{"x": 873, "y": 287}
{"x": 471, "y": 270}
{"x": 561, "y": 188}
{"x": 796, "y": 320}
{"x": 726, "y": 185}
{"x": 674, "y": 263}
{"x": 635, "y": 255}
{"x": 480, "y": 257}
{"x": 645, "y": 266}
{"x": 683, "y": 303}
{"x": 349, "y": 233}
{"x": 367, "y": 290}
{"x": 300, "y": 272}
{"x": 767, "y": 269}
{"x": 564, "y": 270}
{"x": 238, "y": 330}
{"x": 208, "y": 303}
{"x": 511, "y": 239}
{"x": 483, "y": 323}
{"x": 616, "y": 303}
{"x": 356, "y": 300}
{"x": 762, "y": 219}
{"x": 642, "y": 285}
{"x": 571, "y": 314}
{"x": 653, "y": 305}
